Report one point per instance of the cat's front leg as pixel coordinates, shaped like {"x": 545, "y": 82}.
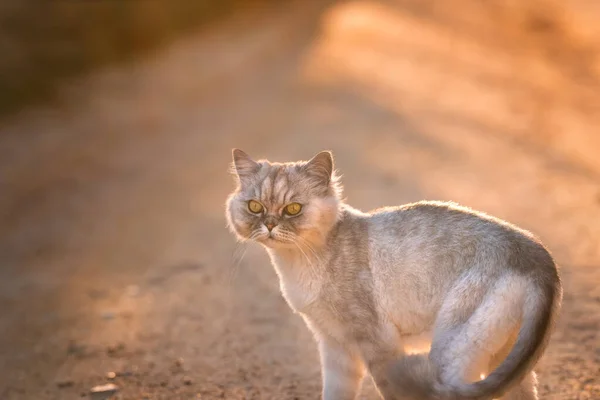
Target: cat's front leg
{"x": 342, "y": 371}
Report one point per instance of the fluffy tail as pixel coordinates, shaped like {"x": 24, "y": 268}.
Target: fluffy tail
{"x": 417, "y": 378}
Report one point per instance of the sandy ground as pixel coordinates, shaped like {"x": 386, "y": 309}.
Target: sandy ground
{"x": 114, "y": 254}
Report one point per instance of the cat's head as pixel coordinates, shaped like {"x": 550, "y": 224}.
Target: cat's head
{"x": 283, "y": 204}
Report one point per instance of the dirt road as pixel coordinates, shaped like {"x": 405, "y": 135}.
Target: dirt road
{"x": 114, "y": 256}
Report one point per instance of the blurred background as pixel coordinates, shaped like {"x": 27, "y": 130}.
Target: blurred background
{"x": 117, "y": 120}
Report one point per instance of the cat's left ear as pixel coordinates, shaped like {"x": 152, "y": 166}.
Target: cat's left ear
{"x": 321, "y": 167}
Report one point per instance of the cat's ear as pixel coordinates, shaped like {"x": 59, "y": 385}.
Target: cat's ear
{"x": 243, "y": 165}
{"x": 321, "y": 167}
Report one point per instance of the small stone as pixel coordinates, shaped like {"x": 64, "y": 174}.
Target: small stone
{"x": 64, "y": 383}
{"x": 588, "y": 381}
{"x": 177, "y": 366}
{"x": 108, "y": 315}
{"x": 75, "y": 348}
{"x": 187, "y": 380}
{"x": 111, "y": 375}
{"x": 115, "y": 348}
{"x": 109, "y": 387}
{"x": 103, "y": 392}
{"x": 164, "y": 383}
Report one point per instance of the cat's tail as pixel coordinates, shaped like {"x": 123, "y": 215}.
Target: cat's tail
{"x": 417, "y": 377}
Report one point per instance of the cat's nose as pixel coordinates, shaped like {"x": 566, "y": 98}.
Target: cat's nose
{"x": 270, "y": 225}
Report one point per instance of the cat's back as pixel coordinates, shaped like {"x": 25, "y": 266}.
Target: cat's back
{"x": 447, "y": 233}
{"x": 435, "y": 218}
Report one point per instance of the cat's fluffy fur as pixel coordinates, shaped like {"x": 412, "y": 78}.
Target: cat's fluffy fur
{"x": 478, "y": 293}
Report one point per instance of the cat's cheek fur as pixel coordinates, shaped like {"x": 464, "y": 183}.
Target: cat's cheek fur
{"x": 321, "y": 215}
{"x": 237, "y": 222}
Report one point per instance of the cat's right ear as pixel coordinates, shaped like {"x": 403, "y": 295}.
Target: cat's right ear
{"x": 243, "y": 166}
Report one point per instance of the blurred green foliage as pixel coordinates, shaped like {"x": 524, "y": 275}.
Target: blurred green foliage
{"x": 43, "y": 41}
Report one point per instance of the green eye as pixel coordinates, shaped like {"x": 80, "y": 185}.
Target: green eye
{"x": 292, "y": 209}
{"x": 254, "y": 206}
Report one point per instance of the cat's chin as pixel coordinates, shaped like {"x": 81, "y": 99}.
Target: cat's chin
{"x": 274, "y": 243}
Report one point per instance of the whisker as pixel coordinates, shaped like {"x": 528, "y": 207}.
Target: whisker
{"x": 291, "y": 238}
{"x": 237, "y": 257}
{"x": 312, "y": 267}
{"x": 311, "y": 248}
{"x": 308, "y": 246}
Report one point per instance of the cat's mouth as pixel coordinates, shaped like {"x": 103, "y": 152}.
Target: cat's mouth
{"x": 276, "y": 237}
{"x": 264, "y": 237}
{"x": 271, "y": 239}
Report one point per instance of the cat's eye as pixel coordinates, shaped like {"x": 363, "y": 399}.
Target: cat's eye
{"x": 292, "y": 209}
{"x": 255, "y": 207}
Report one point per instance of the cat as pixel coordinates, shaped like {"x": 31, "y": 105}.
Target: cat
{"x": 479, "y": 295}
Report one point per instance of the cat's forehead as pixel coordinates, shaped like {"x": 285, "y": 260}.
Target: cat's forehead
{"x": 278, "y": 183}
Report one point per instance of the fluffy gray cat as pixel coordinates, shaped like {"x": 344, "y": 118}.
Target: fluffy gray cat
{"x": 432, "y": 300}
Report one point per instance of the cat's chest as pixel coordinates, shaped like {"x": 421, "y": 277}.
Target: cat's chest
{"x": 323, "y": 304}
{"x": 300, "y": 284}
{"x": 300, "y": 291}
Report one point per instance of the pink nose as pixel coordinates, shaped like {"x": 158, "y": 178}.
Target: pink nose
{"x": 270, "y": 226}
